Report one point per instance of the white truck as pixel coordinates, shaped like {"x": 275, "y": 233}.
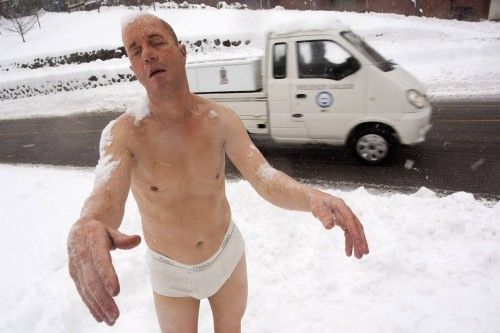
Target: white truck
{"x": 320, "y": 86}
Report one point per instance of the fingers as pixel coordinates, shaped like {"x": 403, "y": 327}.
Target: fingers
{"x": 99, "y": 297}
{"x": 94, "y": 308}
{"x": 89, "y": 301}
{"x": 355, "y": 239}
{"x": 357, "y": 234}
{"x": 122, "y": 241}
{"x": 92, "y": 270}
{"x": 348, "y": 243}
{"x": 364, "y": 243}
{"x": 101, "y": 259}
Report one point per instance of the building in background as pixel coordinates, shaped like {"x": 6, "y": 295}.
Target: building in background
{"x": 74, "y": 5}
{"x": 470, "y": 10}
{"x": 494, "y": 10}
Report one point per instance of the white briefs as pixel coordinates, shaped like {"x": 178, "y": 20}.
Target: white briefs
{"x": 174, "y": 279}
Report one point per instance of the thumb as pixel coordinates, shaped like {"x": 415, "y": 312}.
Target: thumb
{"x": 122, "y": 241}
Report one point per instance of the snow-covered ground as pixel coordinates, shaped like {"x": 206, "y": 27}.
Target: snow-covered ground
{"x": 434, "y": 260}
{"x": 454, "y": 59}
{"x": 433, "y": 266}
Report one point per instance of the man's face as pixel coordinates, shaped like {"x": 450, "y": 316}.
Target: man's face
{"x": 156, "y": 59}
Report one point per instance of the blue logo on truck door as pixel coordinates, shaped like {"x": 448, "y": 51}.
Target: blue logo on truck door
{"x": 324, "y": 99}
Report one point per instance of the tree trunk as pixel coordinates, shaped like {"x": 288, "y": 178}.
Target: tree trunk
{"x": 417, "y": 8}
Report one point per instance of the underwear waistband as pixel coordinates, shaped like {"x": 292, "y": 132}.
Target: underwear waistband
{"x": 201, "y": 266}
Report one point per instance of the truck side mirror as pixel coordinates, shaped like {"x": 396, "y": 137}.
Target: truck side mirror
{"x": 353, "y": 64}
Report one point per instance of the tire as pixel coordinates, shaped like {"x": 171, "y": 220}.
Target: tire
{"x": 373, "y": 145}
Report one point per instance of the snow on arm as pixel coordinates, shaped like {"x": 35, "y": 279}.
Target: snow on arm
{"x": 252, "y": 151}
{"x": 106, "y": 163}
{"x": 266, "y": 172}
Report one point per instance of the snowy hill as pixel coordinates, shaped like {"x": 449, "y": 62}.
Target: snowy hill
{"x": 454, "y": 59}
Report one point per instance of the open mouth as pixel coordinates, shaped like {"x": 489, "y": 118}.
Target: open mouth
{"x": 155, "y": 72}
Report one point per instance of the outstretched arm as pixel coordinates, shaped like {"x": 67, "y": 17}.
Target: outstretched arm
{"x": 283, "y": 191}
{"x": 95, "y": 233}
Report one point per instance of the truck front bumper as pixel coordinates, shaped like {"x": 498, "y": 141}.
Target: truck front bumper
{"x": 414, "y": 126}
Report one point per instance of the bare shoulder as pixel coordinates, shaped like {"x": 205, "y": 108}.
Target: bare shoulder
{"x": 118, "y": 129}
{"x": 217, "y": 114}
{"x": 224, "y": 114}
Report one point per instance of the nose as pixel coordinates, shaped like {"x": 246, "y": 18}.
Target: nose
{"x": 148, "y": 54}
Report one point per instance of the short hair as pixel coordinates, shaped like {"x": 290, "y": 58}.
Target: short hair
{"x": 169, "y": 30}
{"x": 128, "y": 19}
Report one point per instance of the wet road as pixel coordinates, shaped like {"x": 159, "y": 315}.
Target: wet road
{"x": 461, "y": 152}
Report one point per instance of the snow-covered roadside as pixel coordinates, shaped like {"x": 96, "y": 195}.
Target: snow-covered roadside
{"x": 433, "y": 264}
{"x": 455, "y": 60}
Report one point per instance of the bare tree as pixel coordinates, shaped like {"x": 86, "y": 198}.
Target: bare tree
{"x": 20, "y": 25}
{"x": 22, "y": 16}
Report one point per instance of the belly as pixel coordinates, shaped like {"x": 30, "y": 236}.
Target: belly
{"x": 187, "y": 227}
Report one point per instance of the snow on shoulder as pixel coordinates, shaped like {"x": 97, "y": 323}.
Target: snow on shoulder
{"x": 290, "y": 25}
{"x": 139, "y": 110}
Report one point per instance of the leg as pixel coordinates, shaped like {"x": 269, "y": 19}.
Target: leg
{"x": 177, "y": 314}
{"x": 229, "y": 303}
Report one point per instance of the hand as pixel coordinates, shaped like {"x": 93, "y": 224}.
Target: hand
{"x": 332, "y": 211}
{"x": 90, "y": 266}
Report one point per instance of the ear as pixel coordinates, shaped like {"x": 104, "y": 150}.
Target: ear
{"x": 132, "y": 67}
{"x": 182, "y": 48}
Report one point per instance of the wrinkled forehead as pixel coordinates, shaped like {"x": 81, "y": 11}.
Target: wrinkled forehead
{"x": 139, "y": 26}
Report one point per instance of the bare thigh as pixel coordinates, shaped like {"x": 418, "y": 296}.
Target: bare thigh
{"x": 177, "y": 314}
{"x": 229, "y": 303}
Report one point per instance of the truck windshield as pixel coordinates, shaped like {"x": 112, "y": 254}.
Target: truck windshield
{"x": 375, "y": 57}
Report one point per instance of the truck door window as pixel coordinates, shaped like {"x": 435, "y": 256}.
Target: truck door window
{"x": 324, "y": 59}
{"x": 279, "y": 60}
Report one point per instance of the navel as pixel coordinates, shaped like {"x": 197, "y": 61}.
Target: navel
{"x": 154, "y": 188}
{"x": 217, "y": 176}
{"x": 199, "y": 244}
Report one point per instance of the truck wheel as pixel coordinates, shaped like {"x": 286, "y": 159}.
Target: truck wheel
{"x": 373, "y": 145}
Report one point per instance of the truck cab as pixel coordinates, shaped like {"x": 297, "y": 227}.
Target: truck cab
{"x": 330, "y": 87}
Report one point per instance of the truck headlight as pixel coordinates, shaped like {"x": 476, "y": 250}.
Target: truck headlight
{"x": 416, "y": 99}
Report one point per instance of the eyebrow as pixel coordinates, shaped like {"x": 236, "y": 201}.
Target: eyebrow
{"x": 151, "y": 36}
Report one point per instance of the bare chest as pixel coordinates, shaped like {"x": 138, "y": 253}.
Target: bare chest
{"x": 180, "y": 161}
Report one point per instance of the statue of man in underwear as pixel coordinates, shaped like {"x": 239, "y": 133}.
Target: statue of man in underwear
{"x": 170, "y": 152}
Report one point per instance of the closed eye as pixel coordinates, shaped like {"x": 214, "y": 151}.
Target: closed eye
{"x": 135, "y": 52}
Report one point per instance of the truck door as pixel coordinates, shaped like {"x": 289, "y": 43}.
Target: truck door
{"x": 280, "y": 69}
{"x": 327, "y": 93}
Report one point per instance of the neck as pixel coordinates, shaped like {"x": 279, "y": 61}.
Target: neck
{"x": 174, "y": 107}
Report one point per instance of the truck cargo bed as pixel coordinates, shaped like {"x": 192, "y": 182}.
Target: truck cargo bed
{"x": 234, "y": 75}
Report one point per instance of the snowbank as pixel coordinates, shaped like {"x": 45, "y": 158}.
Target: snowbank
{"x": 433, "y": 265}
